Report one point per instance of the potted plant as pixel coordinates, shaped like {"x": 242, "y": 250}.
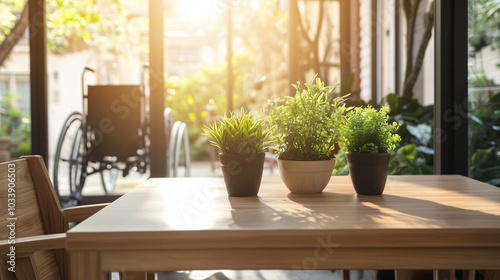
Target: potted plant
{"x": 306, "y": 128}
{"x": 368, "y": 140}
{"x": 242, "y": 141}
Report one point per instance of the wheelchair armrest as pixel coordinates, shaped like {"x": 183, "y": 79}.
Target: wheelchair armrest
{"x": 25, "y": 246}
{"x": 80, "y": 213}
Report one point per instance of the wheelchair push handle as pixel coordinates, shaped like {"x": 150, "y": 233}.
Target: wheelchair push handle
{"x": 83, "y": 78}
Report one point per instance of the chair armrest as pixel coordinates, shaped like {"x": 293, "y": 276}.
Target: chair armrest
{"x": 80, "y": 213}
{"x": 25, "y": 246}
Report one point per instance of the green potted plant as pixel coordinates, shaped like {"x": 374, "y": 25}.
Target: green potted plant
{"x": 368, "y": 140}
{"x": 242, "y": 141}
{"x": 306, "y": 128}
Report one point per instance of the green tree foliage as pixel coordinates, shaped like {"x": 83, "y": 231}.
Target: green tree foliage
{"x": 71, "y": 25}
{"x": 263, "y": 32}
{"x": 200, "y": 98}
{"x": 484, "y": 22}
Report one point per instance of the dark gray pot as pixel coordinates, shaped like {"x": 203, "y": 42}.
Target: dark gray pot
{"x": 242, "y": 173}
{"x": 368, "y": 172}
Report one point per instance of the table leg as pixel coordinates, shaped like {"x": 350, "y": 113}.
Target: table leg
{"x": 409, "y": 274}
{"x": 346, "y": 274}
{"x": 469, "y": 274}
{"x": 85, "y": 265}
{"x": 444, "y": 274}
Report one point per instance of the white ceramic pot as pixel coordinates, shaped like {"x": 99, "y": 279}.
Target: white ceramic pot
{"x": 306, "y": 176}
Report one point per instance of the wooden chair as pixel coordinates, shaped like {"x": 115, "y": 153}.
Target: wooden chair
{"x": 40, "y": 223}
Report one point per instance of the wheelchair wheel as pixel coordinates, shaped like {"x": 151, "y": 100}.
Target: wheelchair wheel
{"x": 109, "y": 178}
{"x": 68, "y": 161}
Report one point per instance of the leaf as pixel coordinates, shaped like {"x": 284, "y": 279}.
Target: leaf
{"x": 409, "y": 151}
{"x": 346, "y": 86}
{"x": 422, "y": 132}
{"x": 495, "y": 98}
{"x": 392, "y": 100}
{"x": 480, "y": 157}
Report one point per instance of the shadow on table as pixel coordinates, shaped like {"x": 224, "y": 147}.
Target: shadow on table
{"x": 336, "y": 210}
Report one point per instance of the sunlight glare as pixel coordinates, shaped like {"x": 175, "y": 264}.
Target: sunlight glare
{"x": 197, "y": 9}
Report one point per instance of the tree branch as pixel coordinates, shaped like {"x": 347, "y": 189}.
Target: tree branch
{"x": 14, "y": 36}
{"x": 320, "y": 21}
{"x": 411, "y": 9}
{"x": 317, "y": 64}
{"x": 302, "y": 29}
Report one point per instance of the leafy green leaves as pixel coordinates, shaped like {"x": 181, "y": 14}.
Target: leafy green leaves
{"x": 307, "y": 125}
{"x": 244, "y": 134}
{"x": 367, "y": 131}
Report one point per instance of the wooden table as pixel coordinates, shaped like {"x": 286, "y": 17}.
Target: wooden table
{"x": 426, "y": 222}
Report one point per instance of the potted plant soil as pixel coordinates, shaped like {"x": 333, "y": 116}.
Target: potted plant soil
{"x": 306, "y": 128}
{"x": 368, "y": 140}
{"x": 242, "y": 141}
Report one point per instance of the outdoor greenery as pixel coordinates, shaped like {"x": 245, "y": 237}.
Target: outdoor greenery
{"x": 15, "y": 126}
{"x": 368, "y": 132}
{"x": 200, "y": 98}
{"x": 483, "y": 24}
{"x": 70, "y": 22}
{"x": 484, "y": 128}
{"x": 414, "y": 154}
{"x": 307, "y": 126}
{"x": 484, "y": 92}
{"x": 239, "y": 134}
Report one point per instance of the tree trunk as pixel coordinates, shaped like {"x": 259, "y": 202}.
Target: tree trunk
{"x": 413, "y": 67}
{"x": 14, "y": 36}
{"x": 313, "y": 58}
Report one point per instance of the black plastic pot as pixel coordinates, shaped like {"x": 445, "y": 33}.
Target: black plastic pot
{"x": 242, "y": 173}
{"x": 368, "y": 172}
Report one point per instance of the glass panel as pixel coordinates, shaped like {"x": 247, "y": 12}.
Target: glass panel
{"x": 484, "y": 90}
{"x": 110, "y": 37}
{"x": 395, "y": 63}
{"x": 14, "y": 81}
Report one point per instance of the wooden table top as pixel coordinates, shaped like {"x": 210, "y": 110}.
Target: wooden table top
{"x": 430, "y": 210}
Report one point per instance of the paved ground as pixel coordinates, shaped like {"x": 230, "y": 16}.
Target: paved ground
{"x": 262, "y": 275}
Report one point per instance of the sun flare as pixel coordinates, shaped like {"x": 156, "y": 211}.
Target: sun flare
{"x": 198, "y": 9}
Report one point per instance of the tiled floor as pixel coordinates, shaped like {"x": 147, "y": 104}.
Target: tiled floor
{"x": 263, "y": 275}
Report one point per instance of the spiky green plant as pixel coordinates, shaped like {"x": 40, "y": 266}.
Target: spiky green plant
{"x": 239, "y": 134}
{"x": 307, "y": 125}
{"x": 368, "y": 132}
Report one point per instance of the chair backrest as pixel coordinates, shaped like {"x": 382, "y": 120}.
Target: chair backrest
{"x": 115, "y": 115}
{"x": 34, "y": 210}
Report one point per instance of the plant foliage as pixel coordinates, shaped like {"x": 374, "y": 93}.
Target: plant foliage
{"x": 484, "y": 139}
{"x": 243, "y": 134}
{"x": 307, "y": 125}
{"x": 16, "y": 126}
{"x": 368, "y": 132}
